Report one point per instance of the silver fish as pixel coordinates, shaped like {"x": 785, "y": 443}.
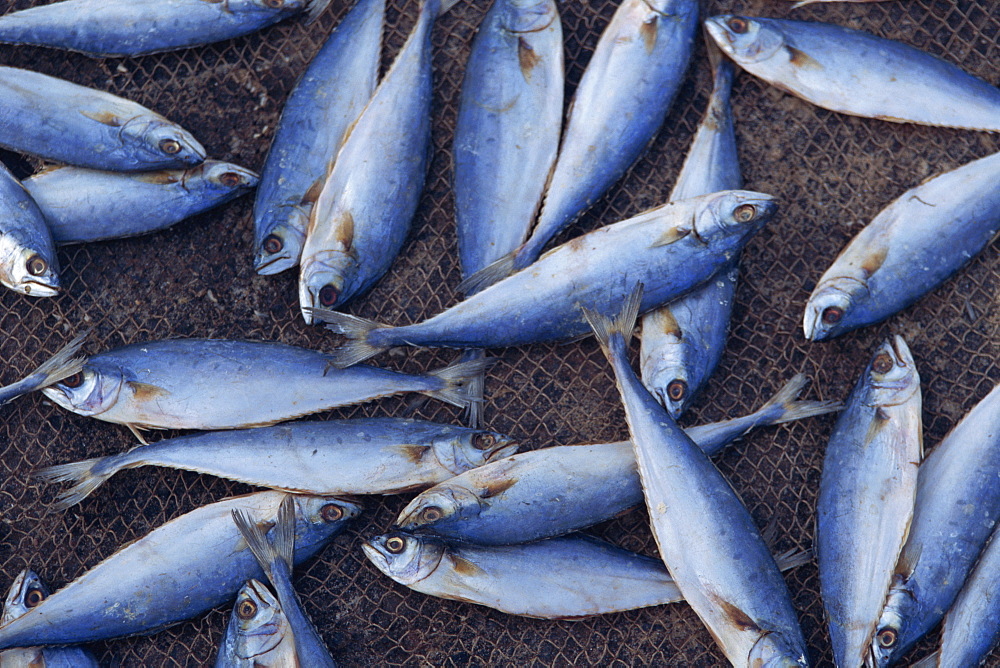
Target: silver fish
{"x": 28, "y": 262}
{"x": 63, "y": 364}
{"x": 866, "y": 497}
{"x": 857, "y": 73}
{"x": 258, "y": 634}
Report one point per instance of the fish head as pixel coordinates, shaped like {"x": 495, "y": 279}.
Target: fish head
{"x": 155, "y": 141}
{"x": 892, "y": 374}
{"x": 468, "y": 449}
{"x": 25, "y": 593}
{"x": 257, "y": 624}
{"x": 886, "y": 644}
{"x": 281, "y": 247}
{"x": 225, "y": 178}
{"x": 30, "y": 271}
{"x": 324, "y": 281}
{"x": 829, "y": 311}
{"x": 670, "y": 387}
{"x": 90, "y": 391}
{"x": 732, "y": 213}
{"x": 440, "y": 504}
{"x": 745, "y": 40}
{"x": 325, "y": 515}
{"x": 773, "y": 650}
{"x": 405, "y": 558}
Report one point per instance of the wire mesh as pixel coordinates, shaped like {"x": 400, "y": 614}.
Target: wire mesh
{"x": 831, "y": 173}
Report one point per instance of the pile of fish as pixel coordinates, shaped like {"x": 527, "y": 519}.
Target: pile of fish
{"x": 341, "y": 184}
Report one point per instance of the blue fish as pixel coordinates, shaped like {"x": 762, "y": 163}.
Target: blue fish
{"x": 28, "y": 262}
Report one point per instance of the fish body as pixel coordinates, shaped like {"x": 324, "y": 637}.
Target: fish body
{"x": 866, "y": 497}
{"x": 28, "y": 262}
{"x": 670, "y": 249}
{"x": 910, "y": 248}
{"x": 704, "y": 533}
{"x": 363, "y": 212}
{"x": 25, "y": 593}
{"x": 957, "y": 508}
{"x": 62, "y": 121}
{"x": 63, "y": 364}
{"x": 185, "y": 567}
{"x": 82, "y": 205}
{"x": 360, "y": 456}
{"x": 219, "y": 384}
{"x": 258, "y": 634}
{"x": 857, "y": 73}
{"x": 312, "y": 128}
{"x": 133, "y": 28}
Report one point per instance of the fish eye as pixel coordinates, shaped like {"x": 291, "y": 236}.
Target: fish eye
{"x": 744, "y": 213}
{"x": 274, "y": 4}
{"x": 832, "y": 315}
{"x": 230, "y": 179}
{"x": 36, "y": 265}
{"x": 273, "y": 244}
{"x": 395, "y": 545}
{"x": 74, "y": 381}
{"x": 33, "y": 597}
{"x": 737, "y": 25}
{"x": 431, "y": 514}
{"x": 677, "y": 389}
{"x": 882, "y": 363}
{"x": 328, "y": 295}
{"x": 246, "y": 609}
{"x": 483, "y": 441}
{"x": 887, "y": 638}
{"x": 331, "y": 512}
{"x": 170, "y": 146}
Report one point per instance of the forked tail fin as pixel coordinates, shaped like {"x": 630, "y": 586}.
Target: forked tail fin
{"x": 622, "y": 324}
{"x": 266, "y": 552}
{"x": 357, "y": 330}
{"x": 461, "y": 386}
{"x": 85, "y": 476}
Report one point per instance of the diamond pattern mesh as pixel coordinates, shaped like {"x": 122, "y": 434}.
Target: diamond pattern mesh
{"x": 832, "y": 174}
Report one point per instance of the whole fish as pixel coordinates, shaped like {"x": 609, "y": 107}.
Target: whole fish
{"x": 909, "y": 249}
{"x": 28, "y": 262}
{"x": 559, "y": 489}
{"x": 683, "y": 341}
{"x": 704, "y": 533}
{"x": 82, "y": 205}
{"x": 619, "y": 105}
{"x": 185, "y": 567}
{"x": 560, "y": 578}
{"x": 219, "y": 384}
{"x": 58, "y": 120}
{"x": 866, "y": 497}
{"x": 139, "y": 27}
{"x": 25, "y": 593}
{"x": 363, "y": 212}
{"x": 957, "y": 497}
{"x": 63, "y": 364}
{"x": 857, "y": 73}
{"x": 276, "y": 559}
{"x": 312, "y": 128}
{"x": 258, "y": 634}
{"x": 671, "y": 249}
{"x": 360, "y": 456}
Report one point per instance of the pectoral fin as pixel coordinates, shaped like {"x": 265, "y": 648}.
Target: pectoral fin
{"x": 672, "y": 234}
{"x": 146, "y": 391}
{"x": 108, "y": 118}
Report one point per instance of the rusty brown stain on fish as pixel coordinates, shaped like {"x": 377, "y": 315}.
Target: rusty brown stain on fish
{"x": 648, "y": 33}
{"x": 526, "y": 58}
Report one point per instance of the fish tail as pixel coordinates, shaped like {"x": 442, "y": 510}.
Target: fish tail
{"x": 474, "y": 411}
{"x": 622, "y": 324}
{"x": 793, "y": 558}
{"x": 929, "y": 661}
{"x": 488, "y": 275}
{"x": 83, "y": 474}
{"x": 460, "y": 386}
{"x": 358, "y": 347}
{"x": 314, "y": 8}
{"x": 446, "y": 5}
{"x": 783, "y": 406}
{"x": 266, "y": 552}
{"x": 803, "y": 3}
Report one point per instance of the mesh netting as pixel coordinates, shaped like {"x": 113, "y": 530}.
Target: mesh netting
{"x": 832, "y": 174}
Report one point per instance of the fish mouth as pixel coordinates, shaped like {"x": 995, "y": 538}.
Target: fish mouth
{"x": 265, "y": 266}
{"x": 505, "y": 451}
{"x": 39, "y": 289}
{"x": 375, "y": 555}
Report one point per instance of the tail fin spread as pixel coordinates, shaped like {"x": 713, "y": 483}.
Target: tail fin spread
{"x": 793, "y": 558}
{"x": 488, "y": 275}
{"x": 83, "y": 476}
{"x": 783, "y": 406}
{"x": 623, "y": 323}
{"x": 460, "y": 382}
{"x": 64, "y": 363}
{"x": 357, "y": 330}
{"x": 929, "y": 661}
{"x": 266, "y": 552}
{"x": 473, "y": 411}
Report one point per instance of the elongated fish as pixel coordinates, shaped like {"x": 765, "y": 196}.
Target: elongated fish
{"x": 58, "y": 120}
{"x": 683, "y": 341}
{"x": 312, "y": 128}
{"x": 63, "y": 364}
{"x": 957, "y": 508}
{"x": 81, "y": 205}
{"x": 138, "y": 27}
{"x": 619, "y": 105}
{"x": 276, "y": 559}
{"x": 219, "y": 384}
{"x": 559, "y": 489}
{"x": 909, "y": 249}
{"x": 363, "y": 212}
{"x": 360, "y": 456}
{"x": 560, "y": 578}
{"x": 258, "y": 634}
{"x": 704, "y": 533}
{"x": 189, "y": 565}
{"x": 866, "y": 497}
{"x": 671, "y": 249}
{"x": 857, "y": 73}
{"x": 28, "y": 262}
{"x": 25, "y": 593}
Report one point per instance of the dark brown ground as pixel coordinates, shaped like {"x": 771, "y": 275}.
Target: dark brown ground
{"x": 832, "y": 174}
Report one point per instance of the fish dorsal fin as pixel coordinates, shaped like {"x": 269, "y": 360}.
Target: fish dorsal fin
{"x": 108, "y": 118}
{"x": 672, "y": 234}
{"x": 496, "y": 487}
{"x": 464, "y": 567}
{"x": 146, "y": 391}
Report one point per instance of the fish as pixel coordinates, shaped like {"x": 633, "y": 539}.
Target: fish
{"x": 136, "y": 28}
{"x": 28, "y": 262}
{"x": 220, "y": 384}
{"x": 275, "y": 557}
{"x": 866, "y": 497}
{"x": 558, "y": 489}
{"x": 619, "y": 105}
{"x": 63, "y": 364}
{"x": 258, "y": 634}
{"x": 683, "y": 341}
{"x": 363, "y": 211}
{"x": 671, "y": 248}
{"x": 359, "y": 456}
{"x": 26, "y": 592}
{"x": 803, "y": 3}
{"x": 704, "y": 533}
{"x": 189, "y": 565}
{"x": 312, "y": 128}
{"x": 61, "y": 121}
{"x": 957, "y": 496}
{"x": 571, "y": 577}
{"x": 912, "y": 246}
{"x": 857, "y": 73}
{"x": 82, "y": 205}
